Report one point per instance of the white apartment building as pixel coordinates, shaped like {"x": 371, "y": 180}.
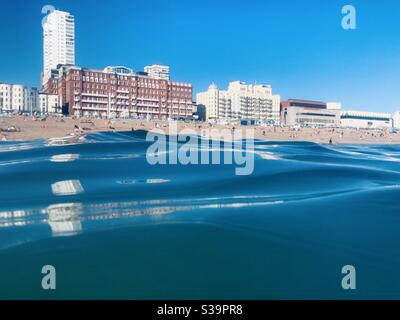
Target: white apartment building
{"x": 158, "y": 71}
{"x": 49, "y": 103}
{"x": 17, "y": 98}
{"x": 12, "y": 97}
{"x": 211, "y": 100}
{"x": 58, "y": 42}
{"x": 364, "y": 119}
{"x": 241, "y": 101}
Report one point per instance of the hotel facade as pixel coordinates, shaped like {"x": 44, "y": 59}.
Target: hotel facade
{"x": 240, "y": 101}
{"x": 112, "y": 92}
{"x": 120, "y": 92}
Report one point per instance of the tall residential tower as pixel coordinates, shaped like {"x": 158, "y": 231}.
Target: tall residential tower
{"x": 58, "y": 42}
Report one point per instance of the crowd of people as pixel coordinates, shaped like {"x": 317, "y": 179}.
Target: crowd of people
{"x": 30, "y": 128}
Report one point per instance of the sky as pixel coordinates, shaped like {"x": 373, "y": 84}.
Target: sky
{"x": 297, "y": 46}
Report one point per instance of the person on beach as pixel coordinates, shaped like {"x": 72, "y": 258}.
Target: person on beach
{"x": 77, "y": 129}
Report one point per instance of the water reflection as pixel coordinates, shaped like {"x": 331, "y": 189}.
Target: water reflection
{"x": 64, "y": 157}
{"x": 67, "y": 219}
{"x": 64, "y": 219}
{"x": 65, "y": 141}
{"x": 67, "y": 188}
{"x": 17, "y": 218}
{"x": 145, "y": 181}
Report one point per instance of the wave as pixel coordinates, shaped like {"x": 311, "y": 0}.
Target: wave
{"x": 303, "y": 199}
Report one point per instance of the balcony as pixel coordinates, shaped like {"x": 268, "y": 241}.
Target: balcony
{"x": 94, "y": 95}
{"x": 94, "y": 102}
{"x": 94, "y": 108}
{"x": 149, "y": 99}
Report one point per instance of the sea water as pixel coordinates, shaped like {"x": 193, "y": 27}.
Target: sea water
{"x": 115, "y": 227}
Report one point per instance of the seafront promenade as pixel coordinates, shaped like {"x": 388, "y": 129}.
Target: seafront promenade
{"x": 28, "y": 128}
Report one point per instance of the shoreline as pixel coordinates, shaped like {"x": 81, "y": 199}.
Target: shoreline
{"x": 26, "y": 128}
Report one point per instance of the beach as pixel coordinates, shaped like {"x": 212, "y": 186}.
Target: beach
{"x": 24, "y": 128}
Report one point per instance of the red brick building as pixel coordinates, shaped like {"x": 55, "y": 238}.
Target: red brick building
{"x": 118, "y": 91}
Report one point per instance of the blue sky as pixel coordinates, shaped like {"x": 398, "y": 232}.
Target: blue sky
{"x": 296, "y": 46}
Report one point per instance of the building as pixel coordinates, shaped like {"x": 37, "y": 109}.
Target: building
{"x": 17, "y": 98}
{"x": 31, "y": 98}
{"x": 396, "y": 120}
{"x": 296, "y": 116}
{"x": 13, "y": 97}
{"x": 200, "y": 113}
{"x": 58, "y": 42}
{"x": 209, "y": 101}
{"x": 120, "y": 92}
{"x": 158, "y": 71}
{"x": 116, "y": 91}
{"x": 241, "y": 101}
{"x": 48, "y": 103}
{"x": 296, "y": 112}
{"x": 334, "y": 106}
{"x": 363, "y": 119}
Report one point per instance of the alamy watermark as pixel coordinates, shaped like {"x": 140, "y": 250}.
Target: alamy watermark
{"x": 349, "y": 20}
{"x": 47, "y": 9}
{"x": 214, "y": 146}
{"x": 49, "y": 279}
{"x": 349, "y": 281}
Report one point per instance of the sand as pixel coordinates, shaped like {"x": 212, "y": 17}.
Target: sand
{"x": 19, "y": 128}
